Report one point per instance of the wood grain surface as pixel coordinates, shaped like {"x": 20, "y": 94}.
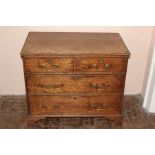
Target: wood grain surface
{"x": 74, "y": 74}
{"x": 49, "y": 84}
{"x": 50, "y": 43}
{"x": 76, "y": 105}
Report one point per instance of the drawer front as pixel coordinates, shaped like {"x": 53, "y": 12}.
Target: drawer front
{"x": 49, "y": 84}
{"x": 49, "y": 65}
{"x": 112, "y": 65}
{"x": 76, "y": 105}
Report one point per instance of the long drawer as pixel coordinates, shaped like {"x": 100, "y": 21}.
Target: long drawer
{"x": 82, "y": 64}
{"x": 76, "y": 105}
{"x": 49, "y": 84}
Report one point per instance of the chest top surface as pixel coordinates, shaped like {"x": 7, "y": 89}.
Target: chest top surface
{"x": 73, "y": 43}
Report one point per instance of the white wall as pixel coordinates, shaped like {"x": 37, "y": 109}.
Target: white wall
{"x": 12, "y": 39}
{"x": 149, "y": 98}
{"x": 149, "y": 80}
{"x": 148, "y": 59}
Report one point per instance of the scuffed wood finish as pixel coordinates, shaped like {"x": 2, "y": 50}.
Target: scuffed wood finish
{"x": 49, "y": 84}
{"x": 75, "y": 65}
{"x": 74, "y": 74}
{"x": 74, "y": 43}
{"x": 49, "y": 65}
{"x": 76, "y": 105}
{"x": 101, "y": 64}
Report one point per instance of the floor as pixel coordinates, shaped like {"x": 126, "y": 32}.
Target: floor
{"x": 13, "y": 111}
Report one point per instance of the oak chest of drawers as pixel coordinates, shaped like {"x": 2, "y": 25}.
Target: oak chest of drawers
{"x": 74, "y": 74}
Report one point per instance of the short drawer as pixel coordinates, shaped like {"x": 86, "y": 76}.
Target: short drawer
{"x": 51, "y": 84}
{"x": 76, "y": 105}
{"x": 107, "y": 64}
{"x": 49, "y": 65}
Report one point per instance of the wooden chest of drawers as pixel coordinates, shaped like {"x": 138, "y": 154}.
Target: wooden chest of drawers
{"x": 74, "y": 74}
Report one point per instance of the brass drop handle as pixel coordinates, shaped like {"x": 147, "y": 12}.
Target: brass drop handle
{"x": 106, "y": 66}
{"x": 45, "y": 106}
{"x": 42, "y": 65}
{"x": 103, "y": 86}
{"x": 55, "y": 65}
{"x": 94, "y": 65}
{"x": 106, "y": 84}
{"x": 99, "y": 88}
{"x": 102, "y": 107}
{"x": 48, "y": 107}
{"x": 93, "y": 106}
{"x": 98, "y": 107}
{"x": 94, "y": 85}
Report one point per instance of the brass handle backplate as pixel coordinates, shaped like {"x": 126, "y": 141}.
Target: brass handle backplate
{"x": 99, "y": 87}
{"x": 48, "y": 107}
{"x": 42, "y": 66}
{"x": 107, "y": 66}
{"x": 45, "y": 106}
{"x": 98, "y": 106}
{"x": 94, "y": 65}
{"x": 55, "y": 65}
{"x": 94, "y": 85}
{"x": 106, "y": 84}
